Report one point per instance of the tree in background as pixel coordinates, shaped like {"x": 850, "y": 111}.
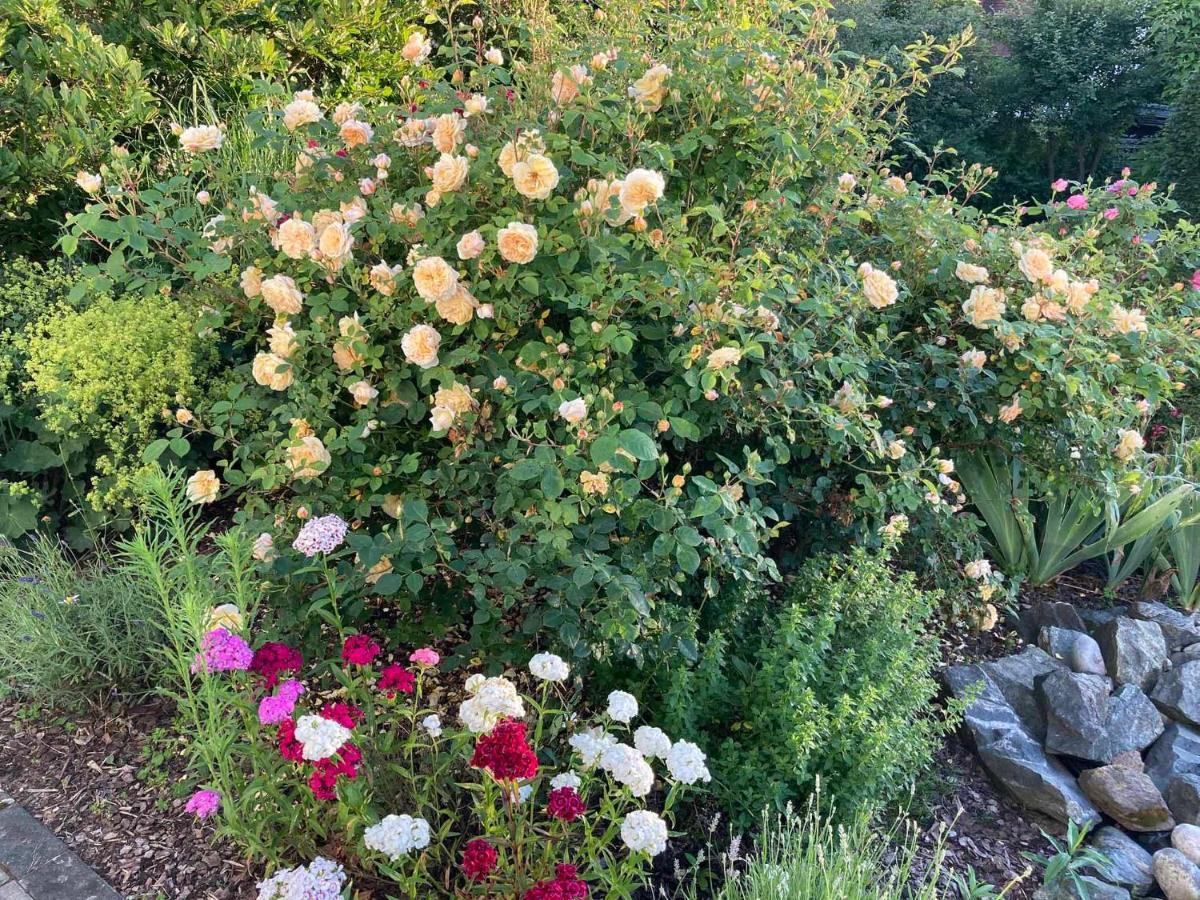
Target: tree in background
{"x": 1047, "y": 91}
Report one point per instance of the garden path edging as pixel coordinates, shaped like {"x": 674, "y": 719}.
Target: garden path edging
{"x": 36, "y": 865}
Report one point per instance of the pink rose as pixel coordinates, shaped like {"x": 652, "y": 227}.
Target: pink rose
{"x": 1078, "y": 201}
{"x": 1060, "y": 185}
{"x": 1196, "y": 279}
{"x": 1111, "y": 213}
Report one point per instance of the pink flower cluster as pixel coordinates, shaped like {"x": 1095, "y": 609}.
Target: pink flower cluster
{"x": 565, "y": 886}
{"x": 203, "y": 804}
{"x": 275, "y": 708}
{"x": 222, "y": 651}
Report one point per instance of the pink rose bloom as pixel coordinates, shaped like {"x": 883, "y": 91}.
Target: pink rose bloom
{"x": 1060, "y": 185}
{"x": 1078, "y": 201}
{"x": 1116, "y": 187}
{"x": 1196, "y": 279}
{"x": 203, "y": 804}
{"x": 1111, "y": 213}
{"x": 426, "y": 656}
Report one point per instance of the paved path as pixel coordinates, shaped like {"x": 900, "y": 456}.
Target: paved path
{"x": 35, "y": 865}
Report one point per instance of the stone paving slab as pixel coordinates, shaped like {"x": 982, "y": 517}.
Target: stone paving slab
{"x": 35, "y": 865}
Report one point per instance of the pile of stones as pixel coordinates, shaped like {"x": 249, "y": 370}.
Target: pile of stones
{"x": 1098, "y": 721}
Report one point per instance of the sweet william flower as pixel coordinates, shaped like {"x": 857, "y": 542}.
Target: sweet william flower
{"x": 628, "y": 767}
{"x": 322, "y": 879}
{"x": 565, "y": 805}
{"x": 426, "y": 656}
{"x": 319, "y": 737}
{"x": 652, "y": 742}
{"x": 549, "y": 667}
{"x": 222, "y": 651}
{"x": 433, "y": 725}
{"x": 644, "y": 832}
{"x": 504, "y": 752}
{"x": 360, "y": 650}
{"x": 203, "y": 804}
{"x": 321, "y": 535}
{"x": 622, "y": 707}
{"x": 479, "y": 859}
{"x": 687, "y": 764}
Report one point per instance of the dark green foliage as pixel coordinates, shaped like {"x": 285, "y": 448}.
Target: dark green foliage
{"x": 834, "y": 683}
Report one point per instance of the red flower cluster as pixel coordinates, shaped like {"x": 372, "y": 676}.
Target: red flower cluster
{"x": 345, "y": 714}
{"x": 360, "y": 650}
{"x": 505, "y": 753}
{"x": 290, "y": 748}
{"x": 565, "y": 804}
{"x": 479, "y": 859}
{"x": 396, "y": 679}
{"x": 565, "y": 886}
{"x": 344, "y": 763}
{"x": 272, "y": 659}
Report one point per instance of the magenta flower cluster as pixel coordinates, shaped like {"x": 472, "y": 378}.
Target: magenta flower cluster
{"x": 321, "y": 535}
{"x": 275, "y": 708}
{"x": 203, "y": 804}
{"x": 222, "y": 651}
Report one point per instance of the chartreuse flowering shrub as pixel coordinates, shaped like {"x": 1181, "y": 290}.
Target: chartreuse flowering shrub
{"x": 415, "y": 782}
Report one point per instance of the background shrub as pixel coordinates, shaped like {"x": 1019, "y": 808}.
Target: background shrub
{"x": 73, "y": 632}
{"x": 834, "y": 683}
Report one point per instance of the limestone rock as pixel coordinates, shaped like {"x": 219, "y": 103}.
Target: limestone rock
{"x": 1177, "y": 752}
{"x": 1083, "y": 721}
{"x": 1179, "y": 629}
{"x": 1012, "y": 755}
{"x": 1135, "y": 651}
{"x": 1127, "y": 796}
{"x": 1177, "y": 693}
{"x": 1186, "y": 839}
{"x": 1129, "y": 865}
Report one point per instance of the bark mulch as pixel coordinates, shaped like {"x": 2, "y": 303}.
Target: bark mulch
{"x": 103, "y": 783}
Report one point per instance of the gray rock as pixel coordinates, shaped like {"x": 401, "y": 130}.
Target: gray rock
{"x": 1177, "y": 752}
{"x": 1177, "y": 876}
{"x": 1177, "y": 693}
{"x": 1017, "y": 677}
{"x": 1128, "y": 864}
{"x": 1077, "y": 649}
{"x": 1129, "y": 797}
{"x": 1064, "y": 889}
{"x": 1179, "y": 629}
{"x": 1186, "y": 839}
{"x": 1094, "y": 618}
{"x": 1135, "y": 651}
{"x": 1043, "y": 613}
{"x": 1082, "y": 720}
{"x": 1012, "y": 755}
{"x": 1183, "y": 797}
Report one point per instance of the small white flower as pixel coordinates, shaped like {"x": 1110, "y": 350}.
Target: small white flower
{"x": 622, "y": 707}
{"x": 566, "y": 779}
{"x": 686, "y": 763}
{"x": 651, "y": 742}
{"x": 629, "y": 768}
{"x": 397, "y": 836}
{"x": 590, "y": 744}
{"x": 644, "y": 832}
{"x": 549, "y": 667}
{"x": 433, "y": 725}
{"x": 493, "y": 699}
{"x": 319, "y": 737}
{"x": 475, "y": 682}
{"x": 573, "y": 411}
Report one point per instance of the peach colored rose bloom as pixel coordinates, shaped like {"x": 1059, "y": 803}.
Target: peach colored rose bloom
{"x": 362, "y": 392}
{"x": 639, "y": 189}
{"x": 297, "y": 238}
{"x": 420, "y": 345}
{"x": 201, "y": 138}
{"x": 535, "y": 176}
{"x": 309, "y": 458}
{"x": 355, "y": 133}
{"x": 203, "y": 486}
{"x": 650, "y": 90}
{"x": 300, "y": 112}
{"x": 470, "y": 245}
{"x": 88, "y": 181}
{"x": 435, "y": 279}
{"x": 383, "y": 278}
{"x": 878, "y": 286}
{"x": 985, "y": 307}
{"x": 449, "y": 173}
{"x": 1128, "y": 321}
{"x": 457, "y": 398}
{"x": 459, "y": 308}
{"x": 574, "y": 411}
{"x": 448, "y": 132}
{"x": 1009, "y": 413}
{"x": 1036, "y": 265}
{"x": 417, "y": 48}
{"x": 517, "y": 242}
{"x": 1130, "y": 442}
{"x": 964, "y": 271}
{"x": 282, "y": 339}
{"x": 281, "y": 294}
{"x": 272, "y": 371}
{"x": 251, "y": 281}
{"x": 723, "y": 358}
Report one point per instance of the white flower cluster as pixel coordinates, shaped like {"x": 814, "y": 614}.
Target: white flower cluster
{"x": 652, "y": 742}
{"x": 644, "y": 832}
{"x": 397, "y": 836}
{"x": 686, "y": 763}
{"x": 549, "y": 667}
{"x": 566, "y": 779}
{"x": 622, "y": 707}
{"x": 590, "y": 744}
{"x": 321, "y": 879}
{"x": 628, "y": 767}
{"x": 491, "y": 700}
{"x": 320, "y": 737}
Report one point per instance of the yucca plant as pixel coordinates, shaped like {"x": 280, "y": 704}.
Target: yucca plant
{"x": 1181, "y": 548}
{"x": 1039, "y": 538}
